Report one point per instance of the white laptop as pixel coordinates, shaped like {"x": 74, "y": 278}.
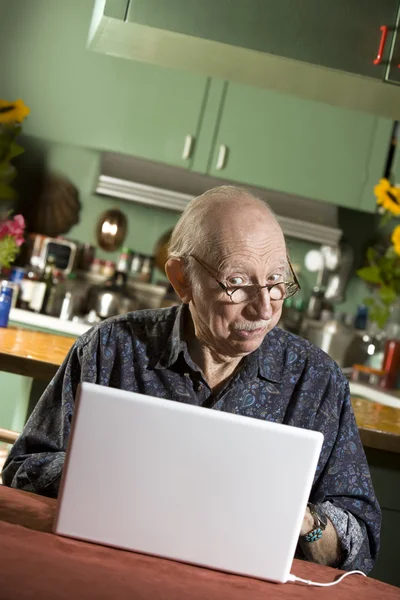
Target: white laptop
{"x": 187, "y": 483}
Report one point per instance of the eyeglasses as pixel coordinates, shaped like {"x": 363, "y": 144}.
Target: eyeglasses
{"x": 248, "y": 293}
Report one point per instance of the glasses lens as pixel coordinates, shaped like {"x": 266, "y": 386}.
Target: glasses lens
{"x": 246, "y": 293}
{"x": 278, "y": 292}
{"x": 249, "y": 292}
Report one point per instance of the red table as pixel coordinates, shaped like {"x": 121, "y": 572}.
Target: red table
{"x": 35, "y": 564}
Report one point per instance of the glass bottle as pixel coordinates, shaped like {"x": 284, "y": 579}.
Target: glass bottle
{"x": 29, "y": 283}
{"x": 43, "y": 287}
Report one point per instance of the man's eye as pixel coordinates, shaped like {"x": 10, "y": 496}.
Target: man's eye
{"x": 275, "y": 277}
{"x": 236, "y": 281}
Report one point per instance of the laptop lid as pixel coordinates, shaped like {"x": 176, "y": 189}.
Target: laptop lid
{"x": 187, "y": 483}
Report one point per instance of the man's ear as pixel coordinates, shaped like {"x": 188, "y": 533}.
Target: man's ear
{"x": 180, "y": 283}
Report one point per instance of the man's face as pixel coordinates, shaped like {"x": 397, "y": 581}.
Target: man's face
{"x": 252, "y": 250}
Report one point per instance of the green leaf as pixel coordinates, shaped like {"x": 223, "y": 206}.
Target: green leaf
{"x": 387, "y": 294}
{"x": 8, "y": 251}
{"x": 377, "y": 312}
{"x": 6, "y": 192}
{"x": 371, "y": 255}
{"x": 385, "y": 219}
{"x": 14, "y": 150}
{"x": 7, "y": 172}
{"x": 370, "y": 274}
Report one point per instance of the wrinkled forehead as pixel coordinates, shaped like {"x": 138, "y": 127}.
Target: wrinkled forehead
{"x": 257, "y": 240}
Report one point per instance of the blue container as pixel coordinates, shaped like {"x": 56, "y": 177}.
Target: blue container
{"x": 6, "y": 294}
{"x": 17, "y": 274}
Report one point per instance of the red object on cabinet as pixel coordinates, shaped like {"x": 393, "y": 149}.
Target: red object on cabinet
{"x": 391, "y": 364}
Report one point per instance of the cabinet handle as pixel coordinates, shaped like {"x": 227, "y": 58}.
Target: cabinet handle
{"x": 384, "y": 33}
{"x": 188, "y": 146}
{"x": 221, "y": 157}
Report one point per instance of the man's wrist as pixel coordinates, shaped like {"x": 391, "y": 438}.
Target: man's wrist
{"x": 308, "y": 523}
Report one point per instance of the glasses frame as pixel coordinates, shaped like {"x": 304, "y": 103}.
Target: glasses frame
{"x": 268, "y": 286}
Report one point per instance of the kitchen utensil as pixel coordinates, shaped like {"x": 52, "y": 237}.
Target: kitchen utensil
{"x": 331, "y": 336}
{"x": 111, "y": 298}
{"x": 111, "y": 230}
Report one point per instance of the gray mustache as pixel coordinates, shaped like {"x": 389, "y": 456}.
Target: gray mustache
{"x": 250, "y": 326}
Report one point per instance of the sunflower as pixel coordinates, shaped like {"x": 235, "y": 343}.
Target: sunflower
{"x": 13, "y": 111}
{"x": 388, "y": 196}
{"x": 396, "y": 239}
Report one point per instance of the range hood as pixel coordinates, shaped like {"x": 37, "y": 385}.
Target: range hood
{"x": 172, "y": 188}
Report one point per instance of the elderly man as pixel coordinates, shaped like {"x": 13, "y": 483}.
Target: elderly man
{"x": 221, "y": 349}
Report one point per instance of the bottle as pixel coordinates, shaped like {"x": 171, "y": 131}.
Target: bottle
{"x": 6, "y": 294}
{"x": 43, "y": 287}
{"x": 29, "y": 283}
{"x": 391, "y": 357}
{"x": 124, "y": 261}
{"x": 52, "y": 303}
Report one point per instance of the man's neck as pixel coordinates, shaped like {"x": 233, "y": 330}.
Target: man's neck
{"x": 215, "y": 368}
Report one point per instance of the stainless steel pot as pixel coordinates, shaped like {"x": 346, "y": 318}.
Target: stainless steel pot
{"x": 111, "y": 298}
{"x": 332, "y": 336}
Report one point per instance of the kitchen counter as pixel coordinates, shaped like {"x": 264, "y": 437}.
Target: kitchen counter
{"x": 379, "y": 425}
{"x": 20, "y": 317}
{"x": 38, "y": 355}
{"x": 32, "y": 353}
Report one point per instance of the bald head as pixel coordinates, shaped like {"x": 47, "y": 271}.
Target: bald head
{"x": 220, "y": 214}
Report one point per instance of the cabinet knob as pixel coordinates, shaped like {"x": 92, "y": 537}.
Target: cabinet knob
{"x": 221, "y": 157}
{"x": 384, "y": 32}
{"x": 188, "y": 147}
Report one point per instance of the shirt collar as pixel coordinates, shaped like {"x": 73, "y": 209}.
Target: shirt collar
{"x": 175, "y": 342}
{"x": 268, "y": 359}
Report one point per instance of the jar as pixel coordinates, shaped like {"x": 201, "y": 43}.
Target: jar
{"x": 108, "y": 268}
{"x": 6, "y": 296}
{"x": 95, "y": 267}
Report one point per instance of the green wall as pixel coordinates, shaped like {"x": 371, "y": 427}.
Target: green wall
{"x": 43, "y": 61}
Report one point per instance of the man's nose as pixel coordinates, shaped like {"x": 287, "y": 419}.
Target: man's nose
{"x": 262, "y": 304}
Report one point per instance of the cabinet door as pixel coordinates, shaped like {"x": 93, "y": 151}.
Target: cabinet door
{"x": 340, "y": 34}
{"x": 298, "y": 146}
{"x": 83, "y": 98}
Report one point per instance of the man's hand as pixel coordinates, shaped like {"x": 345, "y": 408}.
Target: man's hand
{"x": 327, "y": 550}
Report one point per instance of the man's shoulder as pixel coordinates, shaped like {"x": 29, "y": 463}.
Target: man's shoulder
{"x": 295, "y": 348}
{"x": 156, "y": 321}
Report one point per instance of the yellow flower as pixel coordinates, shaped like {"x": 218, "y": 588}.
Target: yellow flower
{"x": 388, "y": 196}
{"x": 13, "y": 111}
{"x": 396, "y": 239}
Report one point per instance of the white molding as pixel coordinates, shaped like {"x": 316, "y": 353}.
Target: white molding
{"x": 152, "y": 196}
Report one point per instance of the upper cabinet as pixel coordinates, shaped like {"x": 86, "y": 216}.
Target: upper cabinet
{"x": 296, "y": 146}
{"x": 340, "y": 34}
{"x": 340, "y": 52}
{"x": 82, "y": 98}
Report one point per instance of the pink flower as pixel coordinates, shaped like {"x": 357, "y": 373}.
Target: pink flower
{"x": 13, "y": 227}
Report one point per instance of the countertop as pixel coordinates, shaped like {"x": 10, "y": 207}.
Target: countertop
{"x": 38, "y": 355}
{"x": 25, "y": 317}
{"x": 32, "y": 353}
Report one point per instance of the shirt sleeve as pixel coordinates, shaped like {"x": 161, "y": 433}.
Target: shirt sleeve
{"x": 343, "y": 486}
{"x": 36, "y": 459}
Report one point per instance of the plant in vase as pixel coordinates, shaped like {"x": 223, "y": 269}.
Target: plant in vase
{"x": 383, "y": 269}
{"x": 12, "y": 115}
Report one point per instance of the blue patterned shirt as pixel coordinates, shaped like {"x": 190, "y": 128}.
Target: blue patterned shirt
{"x": 286, "y": 380}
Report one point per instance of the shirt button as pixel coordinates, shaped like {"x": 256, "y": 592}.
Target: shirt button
{"x": 198, "y": 386}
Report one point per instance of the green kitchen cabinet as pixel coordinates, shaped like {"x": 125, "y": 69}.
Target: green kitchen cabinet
{"x": 87, "y": 99}
{"x": 300, "y": 147}
{"x": 338, "y": 52}
{"x": 341, "y": 34}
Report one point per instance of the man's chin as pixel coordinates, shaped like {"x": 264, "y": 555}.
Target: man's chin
{"x": 248, "y": 341}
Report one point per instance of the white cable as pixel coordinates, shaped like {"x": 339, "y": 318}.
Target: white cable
{"x": 308, "y": 582}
